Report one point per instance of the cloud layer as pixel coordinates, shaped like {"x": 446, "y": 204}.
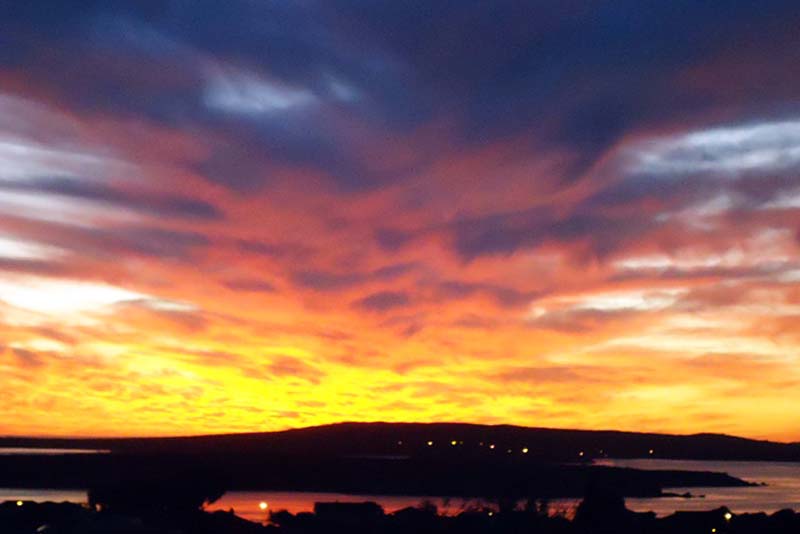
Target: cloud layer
{"x": 270, "y": 215}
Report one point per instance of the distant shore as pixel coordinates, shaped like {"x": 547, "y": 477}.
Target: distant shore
{"x": 443, "y": 439}
{"x": 425, "y": 476}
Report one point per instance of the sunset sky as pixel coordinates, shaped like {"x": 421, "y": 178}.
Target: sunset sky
{"x": 256, "y": 215}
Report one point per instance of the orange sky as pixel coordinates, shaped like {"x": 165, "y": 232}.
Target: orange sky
{"x": 195, "y": 242}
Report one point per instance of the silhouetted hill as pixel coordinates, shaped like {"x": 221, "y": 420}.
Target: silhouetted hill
{"x": 411, "y": 439}
{"x": 388, "y": 458}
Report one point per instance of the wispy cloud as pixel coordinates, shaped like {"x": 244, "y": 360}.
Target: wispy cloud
{"x": 526, "y": 214}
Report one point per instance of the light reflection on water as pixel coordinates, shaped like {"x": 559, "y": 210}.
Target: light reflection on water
{"x": 246, "y": 503}
{"x": 782, "y": 491}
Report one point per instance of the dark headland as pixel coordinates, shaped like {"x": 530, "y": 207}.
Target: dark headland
{"x": 159, "y": 485}
{"x": 394, "y": 458}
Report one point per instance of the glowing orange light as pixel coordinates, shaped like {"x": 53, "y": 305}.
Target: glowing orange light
{"x": 263, "y": 505}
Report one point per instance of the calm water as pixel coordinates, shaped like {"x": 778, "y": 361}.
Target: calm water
{"x": 246, "y": 503}
{"x": 782, "y": 491}
{"x": 42, "y": 495}
{"x": 15, "y": 451}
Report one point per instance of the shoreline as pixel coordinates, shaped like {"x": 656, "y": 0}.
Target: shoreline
{"x": 455, "y": 477}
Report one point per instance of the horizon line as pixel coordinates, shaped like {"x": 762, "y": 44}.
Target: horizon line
{"x": 378, "y": 422}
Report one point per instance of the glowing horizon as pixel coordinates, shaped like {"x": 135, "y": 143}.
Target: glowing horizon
{"x": 212, "y": 224}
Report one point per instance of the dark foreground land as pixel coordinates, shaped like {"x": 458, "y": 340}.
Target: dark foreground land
{"x": 158, "y": 486}
{"x": 598, "y": 513}
{"x": 457, "y": 460}
{"x": 507, "y": 475}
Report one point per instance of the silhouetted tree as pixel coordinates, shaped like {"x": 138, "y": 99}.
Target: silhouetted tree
{"x": 179, "y": 492}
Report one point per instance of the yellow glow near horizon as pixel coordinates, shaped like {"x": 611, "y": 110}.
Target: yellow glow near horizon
{"x": 166, "y": 278}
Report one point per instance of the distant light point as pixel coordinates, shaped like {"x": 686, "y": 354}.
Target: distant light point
{"x": 453, "y": 443}
{"x": 728, "y": 516}
{"x": 430, "y": 444}
{"x": 491, "y": 446}
{"x": 580, "y": 454}
{"x": 651, "y": 451}
{"x": 263, "y": 505}
{"x": 524, "y": 450}
{"x": 20, "y": 503}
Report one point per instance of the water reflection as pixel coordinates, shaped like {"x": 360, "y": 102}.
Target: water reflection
{"x": 43, "y": 495}
{"x": 247, "y": 504}
{"x": 18, "y": 451}
{"x": 782, "y": 489}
